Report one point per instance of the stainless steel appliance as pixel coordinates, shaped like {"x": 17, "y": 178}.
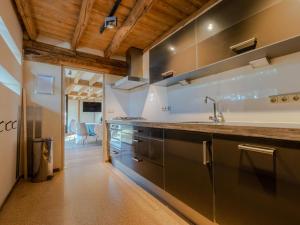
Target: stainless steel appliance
{"x": 115, "y": 136}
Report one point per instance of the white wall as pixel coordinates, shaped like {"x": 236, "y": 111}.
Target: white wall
{"x": 72, "y": 110}
{"x": 87, "y": 117}
{"x": 49, "y": 105}
{"x": 9, "y": 101}
{"x": 242, "y": 94}
{"x": 116, "y": 101}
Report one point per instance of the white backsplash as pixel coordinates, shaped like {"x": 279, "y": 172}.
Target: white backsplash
{"x": 242, "y": 95}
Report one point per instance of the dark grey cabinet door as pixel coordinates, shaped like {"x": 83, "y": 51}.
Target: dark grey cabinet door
{"x": 177, "y": 54}
{"x": 144, "y": 158}
{"x": 234, "y": 21}
{"x": 253, "y": 187}
{"x": 186, "y": 176}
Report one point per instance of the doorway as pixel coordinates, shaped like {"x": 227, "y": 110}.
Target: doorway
{"x": 83, "y": 100}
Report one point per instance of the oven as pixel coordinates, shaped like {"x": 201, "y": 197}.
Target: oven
{"x": 115, "y": 136}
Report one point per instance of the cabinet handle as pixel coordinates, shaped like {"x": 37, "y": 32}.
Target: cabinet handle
{"x": 167, "y": 73}
{"x": 136, "y": 159}
{"x": 115, "y": 152}
{"x": 137, "y": 131}
{"x": 204, "y": 152}
{"x": 136, "y": 141}
{"x": 252, "y": 148}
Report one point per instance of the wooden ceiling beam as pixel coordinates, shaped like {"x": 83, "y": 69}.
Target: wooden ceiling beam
{"x": 94, "y": 79}
{"x": 45, "y": 53}
{"x": 183, "y": 23}
{"x": 83, "y": 83}
{"x": 25, "y": 12}
{"x": 85, "y": 12}
{"x": 78, "y": 76}
{"x": 140, "y": 8}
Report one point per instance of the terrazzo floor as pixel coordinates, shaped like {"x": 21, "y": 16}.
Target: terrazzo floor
{"x": 87, "y": 192}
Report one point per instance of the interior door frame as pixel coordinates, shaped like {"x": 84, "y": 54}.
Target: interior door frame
{"x": 63, "y": 106}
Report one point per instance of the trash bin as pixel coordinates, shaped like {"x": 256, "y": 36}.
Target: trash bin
{"x": 42, "y": 159}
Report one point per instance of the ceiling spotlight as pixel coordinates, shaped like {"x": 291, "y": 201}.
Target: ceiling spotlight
{"x": 210, "y": 27}
{"x": 172, "y": 48}
{"x": 110, "y": 22}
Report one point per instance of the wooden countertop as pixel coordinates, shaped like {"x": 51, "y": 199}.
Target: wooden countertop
{"x": 242, "y": 129}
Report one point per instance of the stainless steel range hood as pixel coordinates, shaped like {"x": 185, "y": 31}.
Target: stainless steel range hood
{"x": 134, "y": 58}
{"x": 129, "y": 82}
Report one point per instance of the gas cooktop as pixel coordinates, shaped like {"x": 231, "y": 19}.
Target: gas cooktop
{"x": 128, "y": 118}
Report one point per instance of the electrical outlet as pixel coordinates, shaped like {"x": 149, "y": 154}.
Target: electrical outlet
{"x": 283, "y": 99}
{"x": 296, "y": 98}
{"x": 166, "y": 108}
{"x": 274, "y": 99}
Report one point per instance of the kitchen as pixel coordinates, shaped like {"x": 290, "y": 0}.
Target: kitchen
{"x": 204, "y": 121}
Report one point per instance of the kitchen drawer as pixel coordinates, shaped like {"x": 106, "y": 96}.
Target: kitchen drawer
{"x": 148, "y": 132}
{"x": 150, "y": 149}
{"x": 146, "y": 169}
{"x": 141, "y": 131}
{"x": 254, "y": 186}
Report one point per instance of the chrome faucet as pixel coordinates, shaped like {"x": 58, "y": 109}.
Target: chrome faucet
{"x": 218, "y": 116}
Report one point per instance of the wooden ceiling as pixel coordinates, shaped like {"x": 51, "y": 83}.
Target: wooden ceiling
{"x": 83, "y": 85}
{"x": 140, "y": 22}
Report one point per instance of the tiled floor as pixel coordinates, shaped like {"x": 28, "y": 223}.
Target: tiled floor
{"x": 87, "y": 192}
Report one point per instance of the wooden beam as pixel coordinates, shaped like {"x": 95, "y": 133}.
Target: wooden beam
{"x": 69, "y": 89}
{"x": 78, "y": 76}
{"x": 183, "y": 23}
{"x": 140, "y": 8}
{"x": 45, "y": 53}
{"x": 26, "y": 14}
{"x": 85, "y": 12}
{"x": 94, "y": 79}
{"x": 83, "y": 83}
{"x": 82, "y": 94}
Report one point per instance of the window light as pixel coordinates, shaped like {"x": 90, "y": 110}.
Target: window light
{"x": 9, "y": 81}
{"x": 4, "y": 32}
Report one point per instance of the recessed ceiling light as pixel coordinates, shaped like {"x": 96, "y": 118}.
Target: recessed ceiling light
{"x": 210, "y": 27}
{"x": 172, "y": 48}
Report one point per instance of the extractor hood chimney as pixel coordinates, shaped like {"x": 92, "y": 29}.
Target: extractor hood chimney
{"x": 134, "y": 58}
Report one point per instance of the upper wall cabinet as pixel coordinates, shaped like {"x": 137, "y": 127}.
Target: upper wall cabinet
{"x": 245, "y": 28}
{"x": 177, "y": 54}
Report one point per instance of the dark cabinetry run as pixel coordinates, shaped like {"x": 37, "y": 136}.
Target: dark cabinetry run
{"x": 257, "y": 181}
{"x": 209, "y": 38}
{"x": 188, "y": 169}
{"x": 142, "y": 151}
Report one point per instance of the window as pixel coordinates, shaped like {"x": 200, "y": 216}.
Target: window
{"x": 10, "y": 41}
{"x": 9, "y": 81}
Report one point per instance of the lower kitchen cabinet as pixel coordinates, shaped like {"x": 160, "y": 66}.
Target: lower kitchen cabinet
{"x": 257, "y": 181}
{"x": 188, "y": 169}
{"x": 144, "y": 156}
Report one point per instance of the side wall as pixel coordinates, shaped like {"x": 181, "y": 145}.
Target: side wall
{"x": 10, "y": 70}
{"x": 45, "y": 108}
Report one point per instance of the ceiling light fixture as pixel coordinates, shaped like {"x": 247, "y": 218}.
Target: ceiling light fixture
{"x": 210, "y": 27}
{"x": 172, "y": 48}
{"x": 110, "y": 22}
